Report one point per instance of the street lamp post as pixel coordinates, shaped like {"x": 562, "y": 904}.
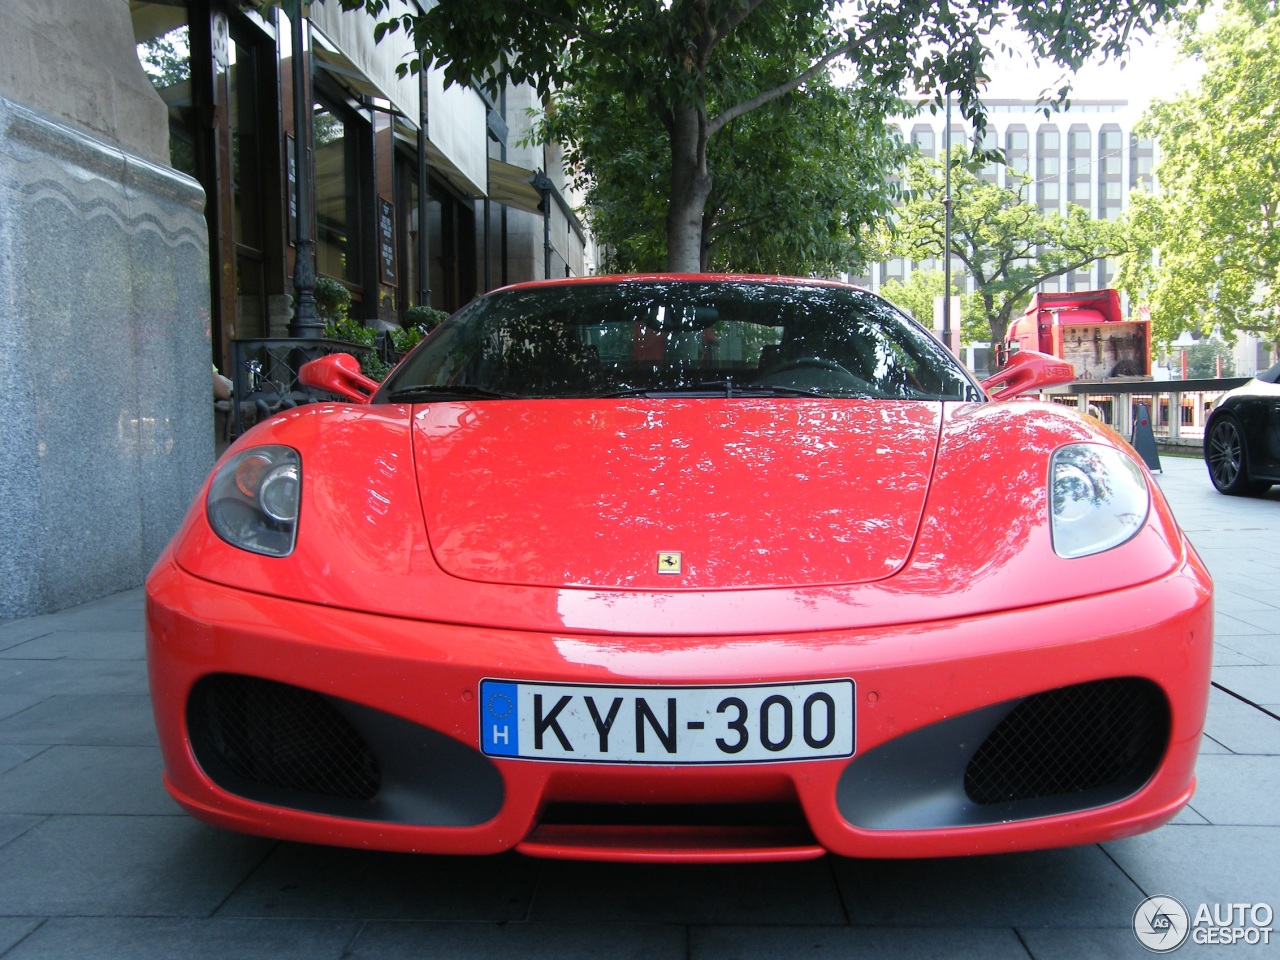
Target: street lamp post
{"x": 946, "y": 232}
{"x": 306, "y": 321}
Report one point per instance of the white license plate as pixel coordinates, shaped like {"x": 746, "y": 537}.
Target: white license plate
{"x": 762, "y": 723}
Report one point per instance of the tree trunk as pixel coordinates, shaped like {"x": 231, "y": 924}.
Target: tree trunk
{"x": 690, "y": 188}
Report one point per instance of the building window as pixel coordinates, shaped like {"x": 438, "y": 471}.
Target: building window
{"x": 1141, "y": 162}
{"x": 337, "y": 192}
{"x": 922, "y": 139}
{"x": 988, "y": 144}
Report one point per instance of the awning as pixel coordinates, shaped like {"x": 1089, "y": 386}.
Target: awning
{"x": 345, "y": 46}
{"x": 513, "y": 186}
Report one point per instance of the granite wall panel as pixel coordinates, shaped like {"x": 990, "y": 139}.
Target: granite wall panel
{"x": 104, "y": 362}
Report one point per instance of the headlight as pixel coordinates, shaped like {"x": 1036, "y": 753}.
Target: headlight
{"x": 1098, "y": 499}
{"x": 253, "y": 500}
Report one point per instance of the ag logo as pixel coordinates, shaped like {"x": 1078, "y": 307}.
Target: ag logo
{"x": 1161, "y": 924}
{"x": 668, "y": 562}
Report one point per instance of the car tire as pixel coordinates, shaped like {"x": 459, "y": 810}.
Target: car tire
{"x": 1227, "y": 458}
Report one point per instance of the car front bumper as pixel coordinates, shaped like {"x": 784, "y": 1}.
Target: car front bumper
{"x": 930, "y": 697}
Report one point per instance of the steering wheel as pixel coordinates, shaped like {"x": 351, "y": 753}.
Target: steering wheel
{"x": 800, "y": 362}
{"x": 817, "y": 374}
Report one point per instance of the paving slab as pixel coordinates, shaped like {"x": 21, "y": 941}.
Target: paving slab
{"x": 122, "y": 719}
{"x": 1077, "y": 886}
{"x": 11, "y": 703}
{"x": 141, "y": 866}
{"x": 863, "y": 943}
{"x": 1117, "y": 944}
{"x": 1226, "y": 627}
{"x": 1241, "y": 727}
{"x": 1239, "y": 790}
{"x": 1202, "y": 864}
{"x": 80, "y": 644}
{"x": 1260, "y": 619}
{"x": 14, "y": 930}
{"x": 1256, "y": 684}
{"x": 760, "y": 893}
{"x": 128, "y": 938}
{"x": 13, "y": 826}
{"x": 1237, "y": 604}
{"x": 86, "y": 677}
{"x": 539, "y": 941}
{"x": 123, "y": 781}
{"x": 14, "y": 754}
{"x": 95, "y": 616}
{"x": 1224, "y": 656}
{"x": 1264, "y": 648}
{"x": 298, "y": 880}
{"x": 1189, "y": 814}
{"x": 15, "y": 632}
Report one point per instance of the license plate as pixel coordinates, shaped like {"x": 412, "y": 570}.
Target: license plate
{"x": 759, "y": 723}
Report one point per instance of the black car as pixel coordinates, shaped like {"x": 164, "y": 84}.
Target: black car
{"x": 1242, "y": 437}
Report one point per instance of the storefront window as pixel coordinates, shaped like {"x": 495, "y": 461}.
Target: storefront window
{"x": 336, "y": 194}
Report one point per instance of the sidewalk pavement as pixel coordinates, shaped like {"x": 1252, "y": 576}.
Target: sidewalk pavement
{"x": 97, "y": 862}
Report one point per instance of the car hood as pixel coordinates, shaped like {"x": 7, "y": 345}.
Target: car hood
{"x": 606, "y": 494}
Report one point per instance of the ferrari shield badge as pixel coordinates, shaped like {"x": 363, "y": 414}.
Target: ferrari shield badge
{"x": 668, "y": 562}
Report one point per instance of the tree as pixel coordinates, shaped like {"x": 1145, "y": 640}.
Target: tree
{"x": 1210, "y": 357}
{"x": 797, "y": 184}
{"x": 918, "y": 294}
{"x": 672, "y": 56}
{"x": 1207, "y": 248}
{"x": 999, "y": 239}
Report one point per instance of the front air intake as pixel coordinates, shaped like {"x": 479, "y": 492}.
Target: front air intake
{"x": 1092, "y": 735}
{"x": 245, "y": 730}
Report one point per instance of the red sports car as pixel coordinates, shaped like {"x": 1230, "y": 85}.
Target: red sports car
{"x": 681, "y": 568}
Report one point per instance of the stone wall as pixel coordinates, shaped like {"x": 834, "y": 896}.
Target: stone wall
{"x": 104, "y": 326}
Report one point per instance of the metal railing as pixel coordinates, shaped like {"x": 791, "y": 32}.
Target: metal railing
{"x": 1178, "y": 408}
{"x": 264, "y": 375}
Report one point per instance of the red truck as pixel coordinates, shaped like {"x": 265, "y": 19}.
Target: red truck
{"x": 1087, "y": 329}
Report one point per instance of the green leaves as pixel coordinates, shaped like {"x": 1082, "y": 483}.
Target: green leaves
{"x": 684, "y": 72}
{"x": 797, "y": 183}
{"x": 1215, "y": 224}
{"x": 1003, "y": 242}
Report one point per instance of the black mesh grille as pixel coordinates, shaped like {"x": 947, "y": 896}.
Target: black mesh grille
{"x": 1072, "y": 739}
{"x": 278, "y": 735}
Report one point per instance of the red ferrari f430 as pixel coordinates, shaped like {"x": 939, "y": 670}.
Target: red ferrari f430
{"x": 681, "y": 568}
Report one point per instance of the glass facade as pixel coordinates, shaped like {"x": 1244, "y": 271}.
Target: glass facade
{"x": 227, "y": 71}
{"x": 337, "y": 192}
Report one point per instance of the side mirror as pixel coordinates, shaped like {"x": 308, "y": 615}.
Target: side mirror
{"x": 1027, "y": 370}
{"x": 339, "y": 373}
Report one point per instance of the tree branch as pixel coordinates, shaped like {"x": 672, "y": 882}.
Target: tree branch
{"x": 715, "y": 124}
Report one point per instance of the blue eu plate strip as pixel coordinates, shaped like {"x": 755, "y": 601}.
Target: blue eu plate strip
{"x": 499, "y": 719}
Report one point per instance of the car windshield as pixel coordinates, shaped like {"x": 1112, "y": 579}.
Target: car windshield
{"x": 679, "y": 337}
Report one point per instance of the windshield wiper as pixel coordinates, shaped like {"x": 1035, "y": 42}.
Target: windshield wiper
{"x": 725, "y": 388}
{"x": 697, "y": 388}
{"x": 778, "y": 390}
{"x": 458, "y": 391}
